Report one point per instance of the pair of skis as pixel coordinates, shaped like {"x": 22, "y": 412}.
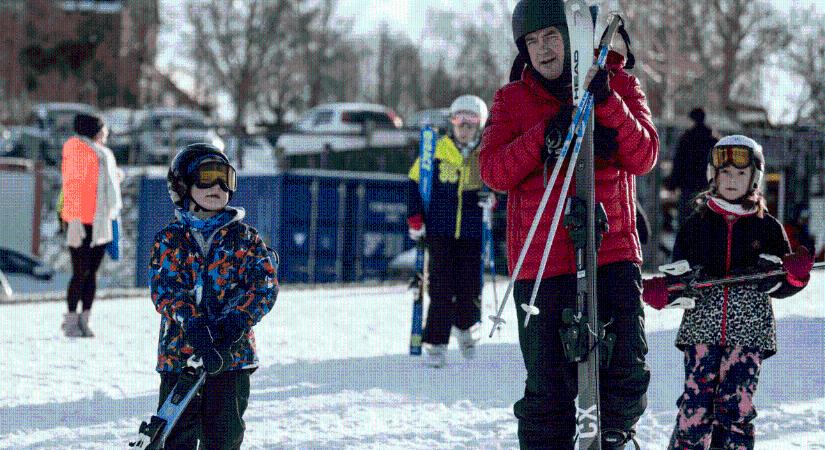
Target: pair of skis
{"x": 152, "y": 435}
{"x": 687, "y": 281}
{"x": 581, "y": 31}
{"x": 425, "y": 186}
{"x": 488, "y": 254}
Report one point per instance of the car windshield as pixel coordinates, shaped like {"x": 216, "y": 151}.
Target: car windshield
{"x": 62, "y": 121}
{"x": 166, "y": 121}
{"x": 380, "y": 119}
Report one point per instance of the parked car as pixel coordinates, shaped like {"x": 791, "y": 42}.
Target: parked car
{"x": 163, "y": 131}
{"x": 258, "y": 153}
{"x": 7, "y": 142}
{"x": 122, "y": 122}
{"x": 48, "y": 127}
{"x": 438, "y": 118}
{"x": 344, "y": 126}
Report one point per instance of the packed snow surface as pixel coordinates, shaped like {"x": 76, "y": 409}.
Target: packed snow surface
{"x": 335, "y": 373}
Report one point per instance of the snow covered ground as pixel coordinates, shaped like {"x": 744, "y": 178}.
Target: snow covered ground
{"x": 335, "y": 374}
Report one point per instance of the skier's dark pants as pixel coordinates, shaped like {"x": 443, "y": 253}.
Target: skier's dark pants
{"x": 547, "y": 413}
{"x": 215, "y": 415}
{"x": 454, "y": 271}
{"x": 85, "y": 262}
{"x": 719, "y": 386}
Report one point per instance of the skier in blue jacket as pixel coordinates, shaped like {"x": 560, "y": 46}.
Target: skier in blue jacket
{"x": 453, "y": 232}
{"x": 212, "y": 279}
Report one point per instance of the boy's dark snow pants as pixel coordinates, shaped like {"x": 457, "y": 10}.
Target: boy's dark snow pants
{"x": 215, "y": 415}
{"x": 455, "y": 286}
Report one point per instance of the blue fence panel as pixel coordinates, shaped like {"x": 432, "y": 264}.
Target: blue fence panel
{"x": 155, "y": 211}
{"x": 326, "y": 226}
{"x": 381, "y": 225}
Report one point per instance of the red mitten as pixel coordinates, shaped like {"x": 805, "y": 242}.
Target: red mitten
{"x": 798, "y": 266}
{"x": 416, "y": 226}
{"x": 655, "y": 293}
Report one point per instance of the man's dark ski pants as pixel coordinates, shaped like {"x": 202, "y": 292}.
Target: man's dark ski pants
{"x": 547, "y": 413}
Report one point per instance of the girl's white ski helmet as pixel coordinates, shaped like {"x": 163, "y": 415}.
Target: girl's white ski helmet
{"x": 739, "y": 151}
{"x": 471, "y": 104}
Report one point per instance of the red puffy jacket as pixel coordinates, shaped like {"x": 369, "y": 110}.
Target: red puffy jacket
{"x": 510, "y": 160}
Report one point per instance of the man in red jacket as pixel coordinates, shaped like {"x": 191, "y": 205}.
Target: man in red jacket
{"x": 526, "y": 130}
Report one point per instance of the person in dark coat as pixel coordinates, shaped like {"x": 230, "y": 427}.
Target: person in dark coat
{"x": 688, "y": 174}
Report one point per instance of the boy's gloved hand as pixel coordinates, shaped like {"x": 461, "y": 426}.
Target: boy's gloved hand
{"x": 197, "y": 333}
{"x": 655, "y": 293}
{"x": 556, "y": 132}
{"x": 416, "y": 230}
{"x": 798, "y": 266}
{"x": 75, "y": 234}
{"x": 232, "y": 328}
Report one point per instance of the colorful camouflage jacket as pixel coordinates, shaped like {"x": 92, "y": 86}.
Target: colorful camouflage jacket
{"x": 193, "y": 275}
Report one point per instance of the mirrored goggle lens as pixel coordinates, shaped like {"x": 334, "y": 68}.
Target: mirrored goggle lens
{"x": 739, "y": 157}
{"x": 212, "y": 173}
{"x": 465, "y": 119}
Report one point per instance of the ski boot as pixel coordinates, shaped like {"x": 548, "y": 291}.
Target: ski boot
{"x": 70, "y": 325}
{"x": 435, "y": 355}
{"x": 467, "y": 340}
{"x": 83, "y": 324}
{"x": 613, "y": 439}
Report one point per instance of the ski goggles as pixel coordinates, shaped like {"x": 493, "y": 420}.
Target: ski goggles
{"x": 739, "y": 157}
{"x": 465, "y": 119}
{"x": 210, "y": 173}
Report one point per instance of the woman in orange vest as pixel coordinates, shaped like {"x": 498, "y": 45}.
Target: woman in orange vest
{"x": 91, "y": 202}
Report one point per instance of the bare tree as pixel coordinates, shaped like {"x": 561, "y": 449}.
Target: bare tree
{"x": 233, "y": 41}
{"x": 477, "y": 68}
{"x": 407, "y": 85}
{"x": 706, "y": 51}
{"x": 440, "y": 87}
{"x": 806, "y": 58}
{"x": 282, "y": 89}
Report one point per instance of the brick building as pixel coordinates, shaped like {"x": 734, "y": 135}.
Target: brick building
{"x": 90, "y": 51}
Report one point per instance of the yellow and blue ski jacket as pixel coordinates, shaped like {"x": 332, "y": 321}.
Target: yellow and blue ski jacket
{"x": 454, "y": 209}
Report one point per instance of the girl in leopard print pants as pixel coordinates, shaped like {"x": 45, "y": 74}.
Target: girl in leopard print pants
{"x": 731, "y": 329}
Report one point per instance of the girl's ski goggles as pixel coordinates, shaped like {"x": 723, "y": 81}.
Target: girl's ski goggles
{"x": 211, "y": 173}
{"x": 462, "y": 118}
{"x": 739, "y": 157}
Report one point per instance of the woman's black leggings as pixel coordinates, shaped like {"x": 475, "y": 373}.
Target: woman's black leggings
{"x": 85, "y": 262}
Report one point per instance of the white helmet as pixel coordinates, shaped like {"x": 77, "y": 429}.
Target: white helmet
{"x": 471, "y": 104}
{"x": 723, "y": 153}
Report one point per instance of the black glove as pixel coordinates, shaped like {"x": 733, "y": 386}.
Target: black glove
{"x": 198, "y": 334}
{"x": 768, "y": 263}
{"x": 600, "y": 87}
{"x": 556, "y": 132}
{"x": 604, "y": 141}
{"x": 231, "y": 328}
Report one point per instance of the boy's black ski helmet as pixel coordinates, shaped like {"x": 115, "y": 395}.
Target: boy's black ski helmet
{"x": 179, "y": 179}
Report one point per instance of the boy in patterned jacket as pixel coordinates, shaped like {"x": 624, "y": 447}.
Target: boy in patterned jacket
{"x": 212, "y": 279}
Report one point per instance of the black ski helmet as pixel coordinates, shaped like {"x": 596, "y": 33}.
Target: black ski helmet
{"x": 534, "y": 15}
{"x": 179, "y": 179}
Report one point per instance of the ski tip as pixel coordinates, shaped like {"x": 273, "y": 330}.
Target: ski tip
{"x": 530, "y": 309}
